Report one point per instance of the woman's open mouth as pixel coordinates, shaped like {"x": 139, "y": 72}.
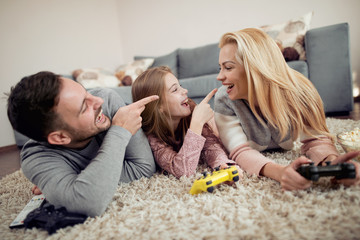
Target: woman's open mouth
{"x": 229, "y": 88}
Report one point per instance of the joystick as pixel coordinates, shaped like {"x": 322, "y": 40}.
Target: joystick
{"x": 52, "y": 219}
{"x": 209, "y": 180}
{"x": 339, "y": 171}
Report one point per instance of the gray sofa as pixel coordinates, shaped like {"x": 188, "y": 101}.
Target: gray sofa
{"x": 327, "y": 66}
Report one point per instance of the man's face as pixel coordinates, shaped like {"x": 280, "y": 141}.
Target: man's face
{"x": 81, "y": 112}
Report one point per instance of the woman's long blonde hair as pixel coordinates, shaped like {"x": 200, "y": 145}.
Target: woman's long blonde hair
{"x": 155, "y": 121}
{"x": 284, "y": 97}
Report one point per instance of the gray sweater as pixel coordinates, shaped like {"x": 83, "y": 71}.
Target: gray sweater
{"x": 85, "y": 180}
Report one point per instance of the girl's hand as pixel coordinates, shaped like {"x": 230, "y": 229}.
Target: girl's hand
{"x": 347, "y": 158}
{"x": 240, "y": 171}
{"x": 202, "y": 113}
{"x": 290, "y": 179}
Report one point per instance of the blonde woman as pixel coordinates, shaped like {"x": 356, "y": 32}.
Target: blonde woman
{"x": 180, "y": 133}
{"x": 264, "y": 104}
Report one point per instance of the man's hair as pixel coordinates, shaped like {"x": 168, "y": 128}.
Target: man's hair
{"x": 31, "y": 105}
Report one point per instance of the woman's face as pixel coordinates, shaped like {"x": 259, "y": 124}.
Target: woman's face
{"x": 176, "y": 105}
{"x": 232, "y": 74}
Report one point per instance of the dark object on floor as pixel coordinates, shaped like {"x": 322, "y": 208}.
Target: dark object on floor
{"x": 339, "y": 171}
{"x": 51, "y": 219}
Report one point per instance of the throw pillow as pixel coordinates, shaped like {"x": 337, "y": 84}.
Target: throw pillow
{"x": 95, "y": 77}
{"x": 128, "y": 73}
{"x": 290, "y": 36}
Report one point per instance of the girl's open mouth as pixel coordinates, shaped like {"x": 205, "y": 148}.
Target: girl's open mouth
{"x": 185, "y": 103}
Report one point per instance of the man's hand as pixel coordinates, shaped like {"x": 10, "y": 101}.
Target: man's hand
{"x": 129, "y": 117}
{"x": 35, "y": 190}
{"x": 291, "y": 180}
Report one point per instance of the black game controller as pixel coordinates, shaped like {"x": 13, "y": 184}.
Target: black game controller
{"x": 51, "y": 219}
{"x": 339, "y": 171}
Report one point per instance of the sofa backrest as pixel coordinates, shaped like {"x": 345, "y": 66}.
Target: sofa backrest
{"x": 199, "y": 61}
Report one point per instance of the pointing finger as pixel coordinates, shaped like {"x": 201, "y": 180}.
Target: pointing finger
{"x": 144, "y": 101}
{"x": 209, "y": 96}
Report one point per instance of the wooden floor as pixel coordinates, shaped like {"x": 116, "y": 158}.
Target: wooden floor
{"x": 10, "y": 159}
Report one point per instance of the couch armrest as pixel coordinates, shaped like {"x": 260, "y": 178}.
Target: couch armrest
{"x": 328, "y": 57}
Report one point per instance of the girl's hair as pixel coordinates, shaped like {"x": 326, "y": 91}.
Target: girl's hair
{"x": 154, "y": 121}
{"x": 284, "y": 97}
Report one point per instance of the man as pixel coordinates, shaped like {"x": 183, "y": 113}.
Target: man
{"x": 84, "y": 142}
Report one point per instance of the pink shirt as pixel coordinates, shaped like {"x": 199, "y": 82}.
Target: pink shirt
{"x": 206, "y": 148}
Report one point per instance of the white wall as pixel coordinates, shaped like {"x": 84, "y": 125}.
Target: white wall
{"x": 58, "y": 36}
{"x": 63, "y": 35}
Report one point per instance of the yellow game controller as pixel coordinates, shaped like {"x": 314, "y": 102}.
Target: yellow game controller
{"x": 208, "y": 181}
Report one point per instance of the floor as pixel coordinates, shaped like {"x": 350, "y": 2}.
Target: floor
{"x": 10, "y": 159}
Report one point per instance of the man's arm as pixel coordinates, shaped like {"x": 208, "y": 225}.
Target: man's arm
{"x": 85, "y": 180}
{"x": 68, "y": 178}
{"x": 139, "y": 161}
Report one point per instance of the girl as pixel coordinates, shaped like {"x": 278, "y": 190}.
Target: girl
{"x": 264, "y": 104}
{"x": 180, "y": 133}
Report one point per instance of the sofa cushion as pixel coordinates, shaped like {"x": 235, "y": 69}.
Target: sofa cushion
{"x": 193, "y": 62}
{"x": 169, "y": 60}
{"x": 290, "y": 34}
{"x": 300, "y": 66}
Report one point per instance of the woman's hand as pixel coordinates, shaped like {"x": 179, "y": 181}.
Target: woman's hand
{"x": 347, "y": 158}
{"x": 290, "y": 179}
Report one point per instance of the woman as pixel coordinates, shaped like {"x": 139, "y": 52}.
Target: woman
{"x": 180, "y": 133}
{"x": 264, "y": 104}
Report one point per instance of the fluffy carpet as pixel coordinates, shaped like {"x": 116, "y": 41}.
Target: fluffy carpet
{"x": 162, "y": 208}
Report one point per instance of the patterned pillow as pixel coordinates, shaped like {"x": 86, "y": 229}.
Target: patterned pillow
{"x": 290, "y": 36}
{"x": 128, "y": 73}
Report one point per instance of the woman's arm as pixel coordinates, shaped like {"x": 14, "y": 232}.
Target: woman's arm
{"x": 318, "y": 149}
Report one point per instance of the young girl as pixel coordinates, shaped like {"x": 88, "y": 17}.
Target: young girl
{"x": 180, "y": 133}
{"x": 264, "y": 104}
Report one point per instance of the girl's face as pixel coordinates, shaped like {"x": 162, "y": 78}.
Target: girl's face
{"x": 176, "y": 100}
{"x": 232, "y": 74}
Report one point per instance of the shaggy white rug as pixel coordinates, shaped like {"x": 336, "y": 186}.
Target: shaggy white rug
{"x": 162, "y": 208}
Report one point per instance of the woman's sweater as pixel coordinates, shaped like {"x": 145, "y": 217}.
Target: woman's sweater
{"x": 244, "y": 136}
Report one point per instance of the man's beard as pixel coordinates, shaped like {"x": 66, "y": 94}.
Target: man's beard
{"x": 78, "y": 137}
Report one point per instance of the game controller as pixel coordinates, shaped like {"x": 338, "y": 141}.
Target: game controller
{"x": 208, "y": 181}
{"x": 51, "y": 219}
{"x": 339, "y": 171}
